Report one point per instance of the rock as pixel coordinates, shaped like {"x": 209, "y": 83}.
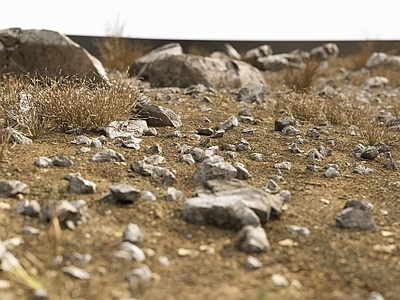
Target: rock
{"x": 231, "y": 52}
{"x": 62, "y": 161}
{"x": 43, "y": 162}
{"x": 125, "y": 129}
{"x": 48, "y": 53}
{"x": 252, "y": 263}
{"x": 214, "y": 168}
{"x": 273, "y": 63}
{"x": 252, "y": 239}
{"x": 82, "y": 258}
{"x": 11, "y": 188}
{"x": 376, "y": 81}
{"x": 375, "y": 296}
{"x": 242, "y": 172}
{"x": 131, "y": 142}
{"x": 140, "y": 274}
{"x": 251, "y": 93}
{"x": 69, "y": 213}
{"x": 283, "y": 165}
{"x": 279, "y": 280}
{"x": 369, "y": 152}
{"x": 121, "y": 193}
{"x": 29, "y": 208}
{"x": 363, "y": 205}
{"x": 15, "y": 135}
{"x": 325, "y": 52}
{"x": 82, "y": 140}
{"x": 79, "y": 185}
{"x": 132, "y": 234}
{"x": 139, "y": 67}
{"x": 281, "y": 123}
{"x": 297, "y": 230}
{"x": 76, "y": 272}
{"x": 148, "y": 196}
{"x": 230, "y": 124}
{"x": 186, "y": 69}
{"x": 134, "y": 251}
{"x": 157, "y": 116}
{"x": 173, "y": 194}
{"x": 380, "y": 59}
{"x": 331, "y": 172}
{"x": 155, "y": 149}
{"x": 253, "y": 55}
{"x": 360, "y": 169}
{"x": 107, "y": 155}
{"x": 356, "y": 218}
{"x": 231, "y": 204}
{"x": 164, "y": 261}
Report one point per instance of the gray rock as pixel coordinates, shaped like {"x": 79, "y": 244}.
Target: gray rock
{"x": 242, "y": 172}
{"x": 252, "y": 239}
{"x": 281, "y": 123}
{"x": 173, "y": 194}
{"x": 290, "y": 131}
{"x": 285, "y": 165}
{"x": 125, "y": 129}
{"x": 43, "y": 162}
{"x": 355, "y": 218}
{"x": 11, "y": 188}
{"x": 155, "y": 149}
{"x": 331, "y": 172}
{"x": 214, "y": 167}
{"x": 380, "y": 59}
{"x": 253, "y": 55}
{"x": 363, "y": 205}
{"x": 360, "y": 169}
{"x": 148, "y": 196}
{"x": 30, "y": 230}
{"x": 231, "y": 52}
{"x": 251, "y": 93}
{"x": 187, "y": 158}
{"x": 134, "y": 251}
{"x": 158, "y": 116}
{"x": 230, "y": 124}
{"x": 131, "y": 143}
{"x": 325, "y": 52}
{"x": 141, "y": 274}
{"x": 252, "y": 263}
{"x": 297, "y": 230}
{"x": 82, "y": 140}
{"x": 258, "y": 157}
{"x": 124, "y": 193}
{"x": 107, "y": 155}
{"x": 79, "y": 185}
{"x": 28, "y": 207}
{"x": 62, "y": 161}
{"x": 15, "y": 135}
{"x": 69, "y": 213}
{"x": 82, "y": 258}
{"x": 47, "y": 53}
{"x": 375, "y": 296}
{"x": 243, "y": 145}
{"x": 76, "y": 272}
{"x": 369, "y": 152}
{"x": 132, "y": 234}
{"x": 164, "y": 261}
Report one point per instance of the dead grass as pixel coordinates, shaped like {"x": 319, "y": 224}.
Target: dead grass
{"x": 340, "y": 111}
{"x": 37, "y": 105}
{"x": 373, "y": 131}
{"x": 357, "y": 60}
{"x": 301, "y": 79}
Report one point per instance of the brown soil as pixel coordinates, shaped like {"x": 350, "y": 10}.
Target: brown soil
{"x": 330, "y": 263}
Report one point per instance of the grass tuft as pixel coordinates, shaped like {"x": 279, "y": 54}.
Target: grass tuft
{"x": 302, "y": 78}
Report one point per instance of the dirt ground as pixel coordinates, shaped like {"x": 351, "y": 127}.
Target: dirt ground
{"x": 329, "y": 263}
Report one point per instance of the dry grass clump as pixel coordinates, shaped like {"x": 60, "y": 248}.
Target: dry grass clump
{"x": 357, "y": 60}
{"x": 340, "y": 111}
{"x": 301, "y": 79}
{"x": 4, "y": 140}
{"x": 37, "y": 105}
{"x": 373, "y": 131}
{"x": 305, "y": 106}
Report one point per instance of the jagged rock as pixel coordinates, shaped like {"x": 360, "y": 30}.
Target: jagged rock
{"x": 230, "y": 124}
{"x": 251, "y": 93}
{"x": 369, "y": 152}
{"x": 107, "y": 155}
{"x": 252, "y": 263}
{"x": 273, "y": 63}
{"x": 155, "y": 149}
{"x": 79, "y": 185}
{"x": 380, "y": 59}
{"x": 139, "y": 67}
{"x": 121, "y": 193}
{"x": 214, "y": 167}
{"x": 242, "y": 172}
{"x": 61, "y": 161}
{"x": 28, "y": 207}
{"x": 363, "y": 205}
{"x": 141, "y": 274}
{"x": 43, "y": 162}
{"x": 325, "y": 52}
{"x": 231, "y": 52}
{"x": 15, "y": 135}
{"x": 82, "y": 140}
{"x": 186, "y": 69}
{"x": 69, "y": 213}
{"x": 157, "y": 116}
{"x": 131, "y": 143}
{"x": 48, "y": 53}
{"x": 252, "y": 239}
{"x": 231, "y": 204}
{"x": 125, "y": 129}
{"x": 173, "y": 194}
{"x": 354, "y": 217}
{"x": 281, "y": 123}
{"x": 360, "y": 169}
{"x": 285, "y": 165}
{"x": 11, "y": 188}
{"x": 134, "y": 251}
{"x": 132, "y": 234}
{"x": 253, "y": 55}
{"x": 331, "y": 172}
{"x": 243, "y": 145}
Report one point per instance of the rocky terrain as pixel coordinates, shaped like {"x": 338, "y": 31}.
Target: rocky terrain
{"x": 224, "y": 193}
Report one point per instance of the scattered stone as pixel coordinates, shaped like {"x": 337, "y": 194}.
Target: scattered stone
{"x": 187, "y": 252}
{"x": 82, "y": 258}
{"x": 173, "y": 194}
{"x": 251, "y": 93}
{"x": 356, "y": 218}
{"x": 375, "y": 296}
{"x": 312, "y": 133}
{"x": 363, "y": 205}
{"x": 205, "y": 131}
{"x": 79, "y": 185}
{"x": 174, "y": 134}
{"x": 271, "y": 186}
{"x": 30, "y": 230}
{"x": 288, "y": 243}
{"x": 252, "y": 263}
{"x": 297, "y": 230}
{"x": 230, "y": 124}
{"x": 242, "y": 172}
{"x": 134, "y": 251}
{"x": 43, "y": 162}
{"x": 141, "y": 274}
{"x": 107, "y": 155}
{"x": 197, "y": 153}
{"x": 82, "y": 140}
{"x": 151, "y": 131}
{"x": 281, "y": 123}
{"x": 386, "y": 248}
{"x": 131, "y": 143}
{"x": 126, "y": 129}
{"x": 214, "y": 167}
{"x": 369, "y": 152}
{"x": 331, "y": 172}
{"x": 243, "y": 145}
{"x": 62, "y": 161}
{"x": 28, "y": 207}
{"x": 155, "y": 149}
{"x": 252, "y": 239}
{"x": 290, "y": 131}
{"x": 283, "y": 165}
{"x": 360, "y": 169}
{"x": 148, "y": 196}
{"x": 279, "y": 280}
{"x": 11, "y": 188}
{"x": 157, "y": 116}
{"x": 187, "y": 158}
{"x": 121, "y": 193}
{"x": 76, "y": 272}
{"x": 258, "y": 157}
{"x": 132, "y": 234}
{"x": 16, "y": 136}
{"x": 164, "y": 261}
{"x": 314, "y": 154}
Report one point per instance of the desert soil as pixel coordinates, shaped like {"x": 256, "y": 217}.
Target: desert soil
{"x": 329, "y": 263}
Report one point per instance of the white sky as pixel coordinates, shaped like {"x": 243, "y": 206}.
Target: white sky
{"x": 211, "y": 19}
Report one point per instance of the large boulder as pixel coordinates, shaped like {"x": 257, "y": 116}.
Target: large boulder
{"x": 253, "y": 55}
{"x": 139, "y": 67}
{"x": 379, "y": 59}
{"x": 187, "y": 69}
{"x": 46, "y": 52}
{"x": 325, "y": 52}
